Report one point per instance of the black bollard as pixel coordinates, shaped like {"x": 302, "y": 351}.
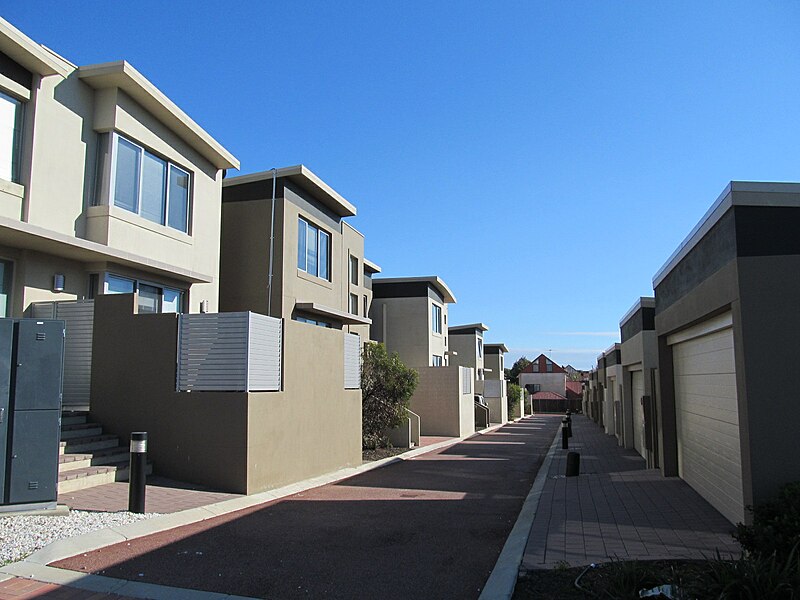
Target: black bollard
{"x": 569, "y": 423}
{"x": 138, "y": 474}
{"x": 564, "y": 434}
{"x": 573, "y": 464}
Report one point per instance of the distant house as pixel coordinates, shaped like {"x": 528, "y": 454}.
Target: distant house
{"x": 550, "y": 381}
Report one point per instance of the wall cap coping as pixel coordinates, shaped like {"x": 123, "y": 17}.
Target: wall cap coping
{"x": 642, "y": 302}
{"x": 28, "y": 53}
{"x": 328, "y": 311}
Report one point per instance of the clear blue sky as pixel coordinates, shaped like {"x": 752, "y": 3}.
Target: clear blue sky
{"x": 544, "y": 158}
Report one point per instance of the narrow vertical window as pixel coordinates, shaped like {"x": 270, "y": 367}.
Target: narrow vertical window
{"x": 302, "y": 233}
{"x": 126, "y": 176}
{"x": 154, "y": 185}
{"x": 10, "y": 129}
{"x": 353, "y": 304}
{"x": 480, "y": 347}
{"x": 178, "y": 199}
{"x": 354, "y": 270}
{"x": 5, "y": 287}
{"x": 366, "y": 306}
{"x": 311, "y": 250}
{"x": 324, "y": 254}
{"x": 436, "y": 318}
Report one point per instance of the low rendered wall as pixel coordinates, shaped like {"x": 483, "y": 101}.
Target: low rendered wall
{"x": 443, "y": 408}
{"x": 232, "y": 441}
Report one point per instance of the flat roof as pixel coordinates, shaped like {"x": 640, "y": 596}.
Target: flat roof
{"x": 610, "y": 349}
{"x": 643, "y": 302}
{"x": 501, "y": 346}
{"x": 304, "y": 177}
{"x": 328, "y": 311}
{"x": 469, "y": 327}
{"x": 122, "y": 75}
{"x": 34, "y": 57}
{"x": 780, "y": 194}
{"x": 433, "y": 280}
{"x": 371, "y": 266}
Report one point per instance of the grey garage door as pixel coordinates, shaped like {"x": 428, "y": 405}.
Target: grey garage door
{"x": 709, "y": 453}
{"x": 637, "y": 391}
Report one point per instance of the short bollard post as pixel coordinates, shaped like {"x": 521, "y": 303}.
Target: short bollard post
{"x": 569, "y": 422}
{"x": 138, "y": 475}
{"x": 564, "y": 434}
{"x": 573, "y": 464}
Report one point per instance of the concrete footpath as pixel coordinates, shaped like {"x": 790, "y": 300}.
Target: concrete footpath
{"x": 431, "y": 526}
{"x": 618, "y": 509}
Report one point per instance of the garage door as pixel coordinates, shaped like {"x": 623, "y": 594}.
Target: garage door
{"x": 709, "y": 454}
{"x": 637, "y": 391}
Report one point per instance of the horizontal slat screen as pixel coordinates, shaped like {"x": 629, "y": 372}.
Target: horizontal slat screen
{"x": 352, "y": 361}
{"x": 78, "y": 317}
{"x": 233, "y": 352}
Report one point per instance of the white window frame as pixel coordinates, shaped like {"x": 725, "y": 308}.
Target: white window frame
{"x": 480, "y": 347}
{"x": 437, "y": 360}
{"x": 136, "y": 283}
{"x": 353, "y": 304}
{"x": 353, "y": 270}
{"x": 16, "y": 140}
{"x": 436, "y": 323}
{"x": 320, "y": 233}
{"x": 115, "y": 137}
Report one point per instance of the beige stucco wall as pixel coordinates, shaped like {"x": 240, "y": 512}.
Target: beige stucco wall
{"x": 232, "y": 441}
{"x": 59, "y": 162}
{"x": 494, "y": 361}
{"x": 442, "y": 407}
{"x": 406, "y": 328}
{"x": 549, "y": 382}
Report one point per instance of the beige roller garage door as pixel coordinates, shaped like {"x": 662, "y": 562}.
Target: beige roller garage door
{"x": 709, "y": 454}
{"x": 637, "y": 391}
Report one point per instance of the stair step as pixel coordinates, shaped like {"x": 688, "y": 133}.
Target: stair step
{"x": 79, "y": 430}
{"x": 90, "y": 443}
{"x": 70, "y": 462}
{"x": 71, "y": 419}
{"x": 87, "y": 477}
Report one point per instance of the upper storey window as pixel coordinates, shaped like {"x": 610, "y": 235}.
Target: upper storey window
{"x": 150, "y": 186}
{"x": 10, "y": 128}
{"x": 313, "y": 250}
{"x": 480, "y": 348}
{"x": 436, "y": 318}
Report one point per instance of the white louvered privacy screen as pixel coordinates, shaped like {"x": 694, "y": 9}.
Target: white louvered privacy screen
{"x": 352, "y": 361}
{"x": 238, "y": 351}
{"x": 466, "y": 380}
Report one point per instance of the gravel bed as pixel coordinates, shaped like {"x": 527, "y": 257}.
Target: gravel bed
{"x": 23, "y": 535}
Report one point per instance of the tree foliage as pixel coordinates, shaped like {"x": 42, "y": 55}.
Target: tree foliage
{"x": 517, "y": 367}
{"x": 513, "y": 394}
{"x": 386, "y": 389}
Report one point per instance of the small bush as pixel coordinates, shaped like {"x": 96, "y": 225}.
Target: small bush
{"x": 759, "y": 576}
{"x": 776, "y": 525}
{"x": 513, "y": 394}
{"x": 386, "y": 389}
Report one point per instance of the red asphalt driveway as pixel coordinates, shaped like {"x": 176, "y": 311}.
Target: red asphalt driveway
{"x": 430, "y": 527}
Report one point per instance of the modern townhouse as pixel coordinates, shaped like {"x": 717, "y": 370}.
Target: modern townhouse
{"x": 409, "y": 315}
{"x": 494, "y": 385}
{"x": 612, "y": 392}
{"x": 639, "y": 360}
{"x": 466, "y": 342}
{"x": 726, "y": 321}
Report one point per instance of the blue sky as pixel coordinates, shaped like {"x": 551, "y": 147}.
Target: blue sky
{"x": 543, "y": 158}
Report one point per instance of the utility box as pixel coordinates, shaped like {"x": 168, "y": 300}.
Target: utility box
{"x": 31, "y": 375}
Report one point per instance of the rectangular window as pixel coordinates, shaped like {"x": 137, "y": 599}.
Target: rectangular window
{"x": 10, "y": 137}
{"x": 353, "y": 304}
{"x": 535, "y": 367}
{"x": 366, "y": 307}
{"x": 436, "y": 360}
{"x": 5, "y": 287}
{"x": 149, "y": 186}
{"x": 354, "y": 270}
{"x": 316, "y": 322}
{"x": 436, "y": 318}
{"x": 313, "y": 250}
{"x": 152, "y": 298}
{"x": 480, "y": 347}
{"x": 549, "y": 366}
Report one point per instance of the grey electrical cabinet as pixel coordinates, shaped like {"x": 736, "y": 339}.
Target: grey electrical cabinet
{"x": 31, "y": 375}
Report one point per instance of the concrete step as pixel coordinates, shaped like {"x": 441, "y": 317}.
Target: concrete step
{"x": 87, "y": 477}
{"x": 70, "y": 462}
{"x": 89, "y": 444}
{"x": 80, "y": 430}
{"x": 73, "y": 419}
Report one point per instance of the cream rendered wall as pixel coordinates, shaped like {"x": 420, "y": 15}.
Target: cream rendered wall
{"x": 353, "y": 245}
{"x": 438, "y": 343}
{"x": 549, "y": 382}
{"x": 495, "y": 362}
{"x": 440, "y": 403}
{"x": 407, "y": 326}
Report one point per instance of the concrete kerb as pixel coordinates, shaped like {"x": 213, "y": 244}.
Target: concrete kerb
{"x": 35, "y": 565}
{"x": 503, "y": 579}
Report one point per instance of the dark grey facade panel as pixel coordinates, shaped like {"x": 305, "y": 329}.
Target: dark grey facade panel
{"x": 643, "y": 319}
{"x": 15, "y": 72}
{"x": 714, "y": 251}
{"x": 613, "y": 358}
{"x": 767, "y": 231}
{"x": 401, "y": 289}
{"x": 254, "y": 190}
{"x": 491, "y": 350}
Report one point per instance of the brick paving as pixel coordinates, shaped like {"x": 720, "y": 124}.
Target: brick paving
{"x": 17, "y": 588}
{"x": 617, "y": 508}
{"x": 162, "y": 496}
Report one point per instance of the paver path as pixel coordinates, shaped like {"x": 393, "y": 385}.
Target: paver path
{"x": 431, "y": 527}
{"x": 617, "y": 508}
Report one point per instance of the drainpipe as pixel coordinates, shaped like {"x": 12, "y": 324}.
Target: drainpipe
{"x": 271, "y": 242}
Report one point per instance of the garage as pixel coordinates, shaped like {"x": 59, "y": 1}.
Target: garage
{"x": 637, "y": 391}
{"x": 707, "y": 416}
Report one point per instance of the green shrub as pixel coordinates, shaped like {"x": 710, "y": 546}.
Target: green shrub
{"x": 386, "y": 389}
{"x": 513, "y": 393}
{"x": 754, "y": 577}
{"x": 776, "y": 525}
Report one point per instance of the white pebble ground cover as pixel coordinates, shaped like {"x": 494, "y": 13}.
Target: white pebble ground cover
{"x": 23, "y": 535}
